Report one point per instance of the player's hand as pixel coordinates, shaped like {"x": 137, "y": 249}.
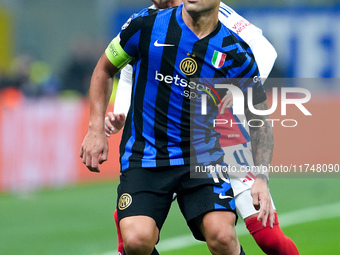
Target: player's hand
{"x": 262, "y": 201}
{"x": 227, "y": 102}
{"x": 114, "y": 123}
{"x": 94, "y": 150}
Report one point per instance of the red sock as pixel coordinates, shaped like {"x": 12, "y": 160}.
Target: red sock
{"x": 119, "y": 234}
{"x": 271, "y": 240}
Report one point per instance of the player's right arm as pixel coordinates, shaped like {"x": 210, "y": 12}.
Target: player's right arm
{"x": 95, "y": 143}
{"x": 122, "y": 100}
{"x": 120, "y": 51}
{"x": 116, "y": 119}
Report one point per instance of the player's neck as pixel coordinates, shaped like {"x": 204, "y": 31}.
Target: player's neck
{"x": 201, "y": 24}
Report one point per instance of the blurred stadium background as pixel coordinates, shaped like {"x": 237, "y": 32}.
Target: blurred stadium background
{"x": 50, "y": 203}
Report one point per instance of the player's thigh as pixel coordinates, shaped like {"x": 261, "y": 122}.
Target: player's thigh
{"x": 199, "y": 196}
{"x": 146, "y": 193}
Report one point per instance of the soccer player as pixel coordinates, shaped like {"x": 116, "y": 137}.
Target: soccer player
{"x": 157, "y": 144}
{"x": 235, "y": 139}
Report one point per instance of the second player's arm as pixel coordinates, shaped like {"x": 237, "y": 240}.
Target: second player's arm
{"x": 264, "y": 52}
{"x": 123, "y": 95}
{"x": 262, "y": 144}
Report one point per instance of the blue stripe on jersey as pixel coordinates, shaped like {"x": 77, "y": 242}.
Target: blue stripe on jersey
{"x": 247, "y": 76}
{"x": 208, "y": 71}
{"x": 234, "y": 46}
{"x": 218, "y": 206}
{"x": 175, "y": 152}
{"x": 236, "y": 71}
{"x": 151, "y": 91}
{"x": 224, "y": 8}
{"x": 224, "y": 12}
{"x": 163, "y": 110}
{"x": 132, "y": 41}
{"x": 186, "y": 42}
{"x": 204, "y": 136}
{"x": 200, "y": 140}
{"x": 232, "y": 204}
{"x": 131, "y": 141}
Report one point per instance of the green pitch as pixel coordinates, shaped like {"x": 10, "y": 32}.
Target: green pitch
{"x": 79, "y": 220}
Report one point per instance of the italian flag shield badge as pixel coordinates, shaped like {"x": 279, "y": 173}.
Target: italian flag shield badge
{"x": 218, "y": 59}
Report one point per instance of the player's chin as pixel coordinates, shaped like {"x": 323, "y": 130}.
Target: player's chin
{"x": 192, "y": 5}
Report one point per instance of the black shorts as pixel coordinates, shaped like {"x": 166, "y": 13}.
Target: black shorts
{"x": 149, "y": 192}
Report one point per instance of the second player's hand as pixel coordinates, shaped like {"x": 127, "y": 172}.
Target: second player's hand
{"x": 262, "y": 202}
{"x": 114, "y": 123}
{"x": 227, "y": 102}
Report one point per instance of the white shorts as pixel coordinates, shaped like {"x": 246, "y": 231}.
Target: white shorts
{"x": 240, "y": 155}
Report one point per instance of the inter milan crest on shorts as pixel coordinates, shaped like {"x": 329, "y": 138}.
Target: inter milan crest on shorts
{"x": 125, "y": 201}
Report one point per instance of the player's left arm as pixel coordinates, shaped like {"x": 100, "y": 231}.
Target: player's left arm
{"x": 262, "y": 143}
{"x": 264, "y": 52}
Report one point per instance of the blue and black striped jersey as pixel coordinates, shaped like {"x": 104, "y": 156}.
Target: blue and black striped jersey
{"x": 172, "y": 68}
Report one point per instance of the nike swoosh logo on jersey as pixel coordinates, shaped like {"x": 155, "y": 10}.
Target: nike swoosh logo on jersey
{"x": 162, "y": 44}
{"x": 224, "y": 197}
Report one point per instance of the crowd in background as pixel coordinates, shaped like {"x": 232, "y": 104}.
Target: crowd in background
{"x": 30, "y": 76}
{"x": 35, "y": 78}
